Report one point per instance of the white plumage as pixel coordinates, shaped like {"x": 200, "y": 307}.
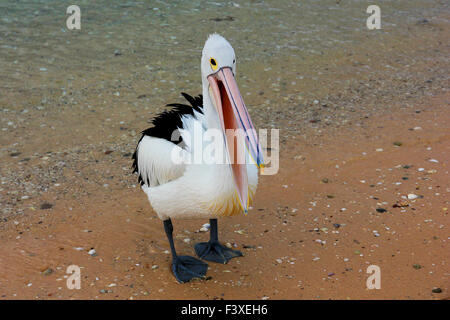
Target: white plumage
{"x": 155, "y": 163}
{"x": 188, "y": 190}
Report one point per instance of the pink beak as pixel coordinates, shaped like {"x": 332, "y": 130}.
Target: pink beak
{"x": 234, "y": 118}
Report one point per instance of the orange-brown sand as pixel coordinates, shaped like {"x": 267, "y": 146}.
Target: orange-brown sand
{"x": 312, "y": 233}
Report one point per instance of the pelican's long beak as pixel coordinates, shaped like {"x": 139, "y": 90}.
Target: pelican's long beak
{"x": 237, "y": 128}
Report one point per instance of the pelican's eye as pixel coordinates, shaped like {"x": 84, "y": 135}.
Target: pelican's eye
{"x": 213, "y": 63}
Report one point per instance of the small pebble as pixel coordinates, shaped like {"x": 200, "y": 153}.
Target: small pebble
{"x": 48, "y": 271}
{"x": 412, "y": 196}
{"x": 46, "y": 206}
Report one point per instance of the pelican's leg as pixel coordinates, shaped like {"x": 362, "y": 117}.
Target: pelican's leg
{"x": 184, "y": 268}
{"x": 213, "y": 250}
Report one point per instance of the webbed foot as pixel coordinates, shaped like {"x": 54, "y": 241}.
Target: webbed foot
{"x": 215, "y": 252}
{"x": 185, "y": 268}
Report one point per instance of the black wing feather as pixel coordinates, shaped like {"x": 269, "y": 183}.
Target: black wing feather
{"x": 167, "y": 122}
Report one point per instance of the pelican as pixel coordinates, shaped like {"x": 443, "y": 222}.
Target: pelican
{"x": 178, "y": 187}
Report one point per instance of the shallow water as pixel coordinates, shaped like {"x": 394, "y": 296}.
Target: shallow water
{"x": 160, "y": 42}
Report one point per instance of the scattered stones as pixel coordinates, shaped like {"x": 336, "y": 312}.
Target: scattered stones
{"x": 205, "y": 227}
{"x": 92, "y": 252}
{"x": 381, "y": 210}
{"x": 397, "y": 143}
{"x": 412, "y": 196}
{"x": 417, "y": 266}
{"x": 436, "y": 290}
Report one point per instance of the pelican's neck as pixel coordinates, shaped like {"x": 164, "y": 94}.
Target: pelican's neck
{"x": 210, "y": 112}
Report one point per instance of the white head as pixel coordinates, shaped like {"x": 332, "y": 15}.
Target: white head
{"x": 217, "y": 53}
{"x": 224, "y": 107}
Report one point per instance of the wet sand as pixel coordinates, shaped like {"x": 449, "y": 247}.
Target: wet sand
{"x": 73, "y": 104}
{"x": 312, "y": 233}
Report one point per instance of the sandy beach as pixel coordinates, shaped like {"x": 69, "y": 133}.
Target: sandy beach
{"x": 364, "y": 154}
